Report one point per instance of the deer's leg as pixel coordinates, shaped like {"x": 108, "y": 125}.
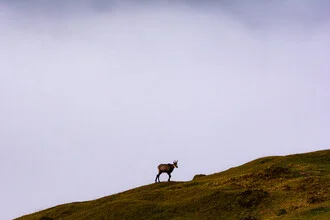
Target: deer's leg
{"x": 157, "y": 177}
{"x": 169, "y": 177}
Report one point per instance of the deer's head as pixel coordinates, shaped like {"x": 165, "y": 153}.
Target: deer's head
{"x": 175, "y": 163}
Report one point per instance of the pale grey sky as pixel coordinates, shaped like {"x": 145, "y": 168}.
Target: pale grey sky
{"x": 93, "y": 96}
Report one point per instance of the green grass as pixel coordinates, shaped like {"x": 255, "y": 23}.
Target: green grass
{"x": 282, "y": 187}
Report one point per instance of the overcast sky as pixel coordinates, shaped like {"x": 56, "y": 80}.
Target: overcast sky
{"x": 94, "y": 95}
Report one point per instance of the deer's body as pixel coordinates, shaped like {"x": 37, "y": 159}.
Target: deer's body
{"x": 166, "y": 168}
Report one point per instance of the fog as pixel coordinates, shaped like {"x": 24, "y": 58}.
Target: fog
{"x": 93, "y": 96}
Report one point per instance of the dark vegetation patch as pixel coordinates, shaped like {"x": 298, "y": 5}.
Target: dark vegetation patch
{"x": 265, "y": 160}
{"x": 248, "y": 218}
{"x": 286, "y": 188}
{"x": 319, "y": 210}
{"x": 316, "y": 189}
{"x": 198, "y": 176}
{"x": 314, "y": 198}
{"x": 218, "y": 199}
{"x": 46, "y": 218}
{"x": 251, "y": 198}
{"x": 281, "y": 212}
{"x": 257, "y": 179}
{"x": 314, "y": 183}
{"x": 274, "y": 172}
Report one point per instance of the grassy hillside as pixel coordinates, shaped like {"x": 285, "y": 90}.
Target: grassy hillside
{"x": 281, "y": 187}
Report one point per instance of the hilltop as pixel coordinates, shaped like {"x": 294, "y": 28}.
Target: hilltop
{"x": 277, "y": 187}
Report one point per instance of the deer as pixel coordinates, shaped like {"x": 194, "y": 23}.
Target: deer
{"x": 166, "y": 168}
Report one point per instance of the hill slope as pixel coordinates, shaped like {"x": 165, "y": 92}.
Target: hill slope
{"x": 279, "y": 187}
